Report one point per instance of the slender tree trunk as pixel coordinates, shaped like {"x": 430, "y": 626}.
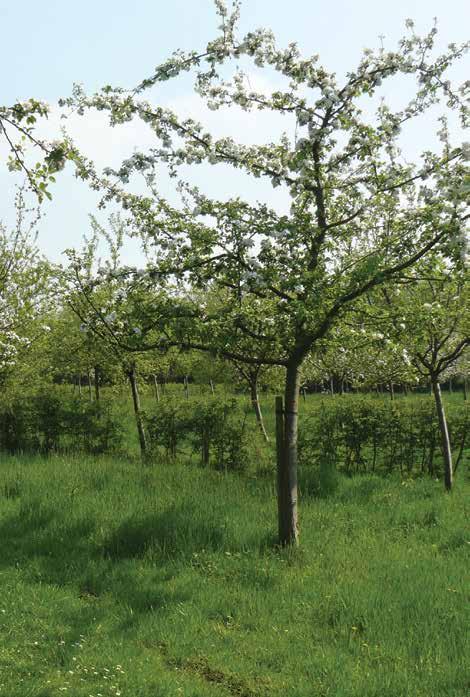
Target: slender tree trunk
{"x": 287, "y": 461}
{"x": 445, "y": 440}
{"x": 211, "y": 383}
{"x": 90, "y": 392}
{"x": 257, "y": 407}
{"x": 392, "y": 391}
{"x": 186, "y": 387}
{"x": 465, "y": 389}
{"x": 342, "y": 387}
{"x": 138, "y": 414}
{"x": 157, "y": 388}
{"x": 332, "y": 386}
{"x": 97, "y": 383}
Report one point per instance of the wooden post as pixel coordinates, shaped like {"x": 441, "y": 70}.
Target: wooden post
{"x": 287, "y": 480}
{"x": 279, "y": 406}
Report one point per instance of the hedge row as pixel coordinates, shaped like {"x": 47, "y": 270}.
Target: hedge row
{"x": 53, "y": 422}
{"x": 365, "y": 434}
{"x": 217, "y": 430}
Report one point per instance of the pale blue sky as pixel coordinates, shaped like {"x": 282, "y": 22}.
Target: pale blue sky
{"x": 46, "y": 46}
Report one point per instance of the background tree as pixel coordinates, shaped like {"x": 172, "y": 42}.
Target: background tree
{"x": 436, "y": 336}
{"x": 26, "y": 288}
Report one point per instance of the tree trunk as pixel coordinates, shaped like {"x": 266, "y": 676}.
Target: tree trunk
{"x": 90, "y": 392}
{"x": 138, "y": 414}
{"x": 157, "y": 388}
{"x": 211, "y": 383}
{"x": 332, "y": 387}
{"x": 257, "y": 407}
{"x": 392, "y": 391}
{"x": 186, "y": 387}
{"x": 445, "y": 440}
{"x": 97, "y": 383}
{"x": 287, "y": 461}
{"x": 465, "y": 389}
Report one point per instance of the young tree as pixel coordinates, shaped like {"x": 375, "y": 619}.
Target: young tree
{"x": 360, "y": 213}
{"x": 435, "y": 337}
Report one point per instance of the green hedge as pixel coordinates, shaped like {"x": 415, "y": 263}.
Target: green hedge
{"x": 51, "y": 422}
{"x": 368, "y": 435}
{"x": 217, "y": 430}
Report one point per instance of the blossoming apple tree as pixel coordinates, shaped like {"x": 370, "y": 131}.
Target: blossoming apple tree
{"x": 360, "y": 213}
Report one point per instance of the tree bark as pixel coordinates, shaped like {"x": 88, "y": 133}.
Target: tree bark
{"x": 445, "y": 440}
{"x": 257, "y": 407}
{"x": 138, "y": 414}
{"x": 287, "y": 461}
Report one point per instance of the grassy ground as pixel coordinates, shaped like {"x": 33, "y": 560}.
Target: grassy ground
{"x": 158, "y": 582}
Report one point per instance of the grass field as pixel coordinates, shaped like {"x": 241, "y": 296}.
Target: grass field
{"x": 118, "y": 579}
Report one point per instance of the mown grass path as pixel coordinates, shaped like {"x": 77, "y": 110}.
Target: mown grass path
{"x": 116, "y": 579}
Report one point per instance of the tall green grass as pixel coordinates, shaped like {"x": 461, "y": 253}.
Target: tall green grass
{"x": 118, "y": 579}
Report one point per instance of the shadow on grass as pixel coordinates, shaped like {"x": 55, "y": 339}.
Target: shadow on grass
{"x": 133, "y": 564}
{"x": 177, "y": 532}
